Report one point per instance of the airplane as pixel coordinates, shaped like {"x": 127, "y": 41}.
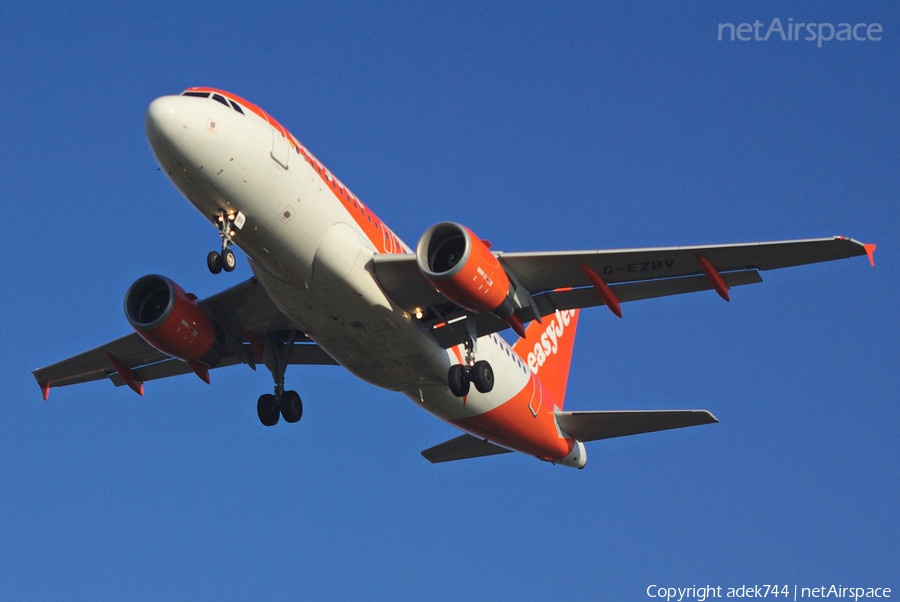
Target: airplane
{"x": 334, "y": 285}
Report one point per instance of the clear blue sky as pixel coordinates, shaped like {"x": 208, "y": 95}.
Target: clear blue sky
{"x": 541, "y": 126}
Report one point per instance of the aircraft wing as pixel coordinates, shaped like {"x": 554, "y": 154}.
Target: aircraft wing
{"x": 240, "y": 310}
{"x": 556, "y": 280}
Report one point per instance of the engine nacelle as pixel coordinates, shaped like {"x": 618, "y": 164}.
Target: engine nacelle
{"x": 171, "y": 320}
{"x": 462, "y": 268}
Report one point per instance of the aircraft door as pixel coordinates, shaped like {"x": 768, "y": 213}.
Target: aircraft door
{"x": 281, "y": 148}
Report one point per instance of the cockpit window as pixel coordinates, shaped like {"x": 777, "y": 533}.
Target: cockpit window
{"x": 236, "y": 106}
{"x": 197, "y": 94}
{"x": 220, "y": 98}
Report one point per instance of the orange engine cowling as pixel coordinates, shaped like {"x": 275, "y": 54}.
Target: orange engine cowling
{"x": 171, "y": 320}
{"x": 462, "y": 268}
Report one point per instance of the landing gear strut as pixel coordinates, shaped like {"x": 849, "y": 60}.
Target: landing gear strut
{"x": 282, "y": 403}
{"x": 479, "y": 374}
{"x": 215, "y": 261}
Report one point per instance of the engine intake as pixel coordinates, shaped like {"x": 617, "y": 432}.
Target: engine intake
{"x": 171, "y": 320}
{"x": 462, "y": 268}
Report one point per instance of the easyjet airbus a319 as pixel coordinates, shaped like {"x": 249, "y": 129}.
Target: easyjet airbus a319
{"x": 334, "y": 285}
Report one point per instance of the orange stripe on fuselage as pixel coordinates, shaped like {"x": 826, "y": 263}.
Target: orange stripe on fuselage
{"x": 384, "y": 240}
{"x": 514, "y": 425}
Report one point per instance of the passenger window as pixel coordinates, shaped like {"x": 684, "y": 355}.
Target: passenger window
{"x": 219, "y": 98}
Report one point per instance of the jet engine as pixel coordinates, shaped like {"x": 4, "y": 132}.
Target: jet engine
{"x": 462, "y": 268}
{"x": 171, "y": 320}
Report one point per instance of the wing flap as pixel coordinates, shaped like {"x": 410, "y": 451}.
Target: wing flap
{"x": 301, "y": 354}
{"x": 632, "y": 274}
{"x": 462, "y": 448}
{"x": 637, "y": 291}
{"x": 451, "y": 333}
{"x": 91, "y": 365}
{"x": 592, "y": 426}
{"x": 165, "y": 369}
{"x": 546, "y": 271}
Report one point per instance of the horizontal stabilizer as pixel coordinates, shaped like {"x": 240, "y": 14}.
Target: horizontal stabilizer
{"x": 591, "y": 426}
{"x": 461, "y": 448}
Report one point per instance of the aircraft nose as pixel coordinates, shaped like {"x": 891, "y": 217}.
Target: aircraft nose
{"x": 168, "y": 120}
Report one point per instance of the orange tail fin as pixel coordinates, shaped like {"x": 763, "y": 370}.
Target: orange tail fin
{"x": 547, "y": 350}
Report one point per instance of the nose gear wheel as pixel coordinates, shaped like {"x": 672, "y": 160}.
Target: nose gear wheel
{"x": 216, "y": 261}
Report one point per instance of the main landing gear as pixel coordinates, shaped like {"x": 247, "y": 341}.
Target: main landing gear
{"x": 215, "y": 261}
{"x": 479, "y": 374}
{"x": 271, "y": 407}
{"x": 283, "y": 403}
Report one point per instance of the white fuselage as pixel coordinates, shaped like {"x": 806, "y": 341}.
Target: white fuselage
{"x": 310, "y": 242}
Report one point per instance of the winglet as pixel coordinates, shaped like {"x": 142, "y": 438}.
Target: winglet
{"x": 45, "y": 389}
{"x": 127, "y": 375}
{"x": 870, "y": 249}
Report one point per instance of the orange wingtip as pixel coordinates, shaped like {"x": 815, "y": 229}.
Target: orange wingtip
{"x": 870, "y": 249}
{"x": 45, "y": 390}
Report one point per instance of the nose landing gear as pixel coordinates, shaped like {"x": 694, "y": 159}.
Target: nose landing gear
{"x": 478, "y": 373}
{"x": 215, "y": 261}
